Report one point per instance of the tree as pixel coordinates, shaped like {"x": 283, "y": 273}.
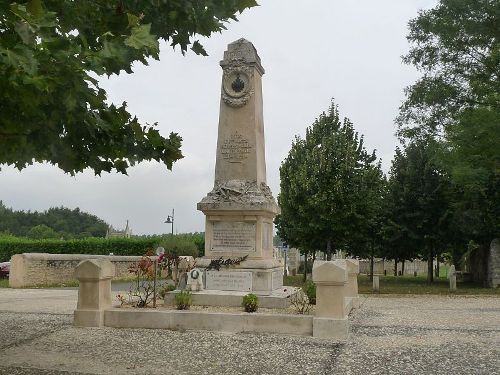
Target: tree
{"x": 457, "y": 102}
{"x": 326, "y": 182}
{"x": 456, "y": 46}
{"x": 63, "y": 221}
{"x": 40, "y": 232}
{"x": 51, "y": 53}
{"x": 417, "y": 205}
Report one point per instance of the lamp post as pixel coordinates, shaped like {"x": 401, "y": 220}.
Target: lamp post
{"x": 170, "y": 220}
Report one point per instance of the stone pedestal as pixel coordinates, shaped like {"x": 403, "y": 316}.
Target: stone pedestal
{"x": 94, "y": 292}
{"x": 330, "y": 319}
{"x": 352, "y": 281}
{"x": 240, "y": 208}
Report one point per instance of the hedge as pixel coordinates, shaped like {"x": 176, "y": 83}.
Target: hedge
{"x": 180, "y": 245}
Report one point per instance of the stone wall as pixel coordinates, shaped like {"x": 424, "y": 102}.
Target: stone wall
{"x": 379, "y": 265}
{"x": 31, "y": 269}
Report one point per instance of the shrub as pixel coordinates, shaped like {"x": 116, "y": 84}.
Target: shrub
{"x": 165, "y": 289}
{"x": 183, "y": 300}
{"x": 309, "y": 289}
{"x": 182, "y": 244}
{"x": 250, "y": 303}
{"x": 178, "y": 246}
{"x": 300, "y": 302}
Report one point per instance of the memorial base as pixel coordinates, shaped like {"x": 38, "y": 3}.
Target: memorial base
{"x": 250, "y": 276}
{"x": 277, "y": 299}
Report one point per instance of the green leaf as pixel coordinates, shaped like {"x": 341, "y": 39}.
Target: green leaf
{"x": 133, "y": 20}
{"x": 141, "y": 37}
{"x": 198, "y": 49}
{"x": 25, "y": 32}
{"x": 244, "y": 4}
{"x": 35, "y": 8}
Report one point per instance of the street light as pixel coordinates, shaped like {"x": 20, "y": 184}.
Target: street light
{"x": 170, "y": 220}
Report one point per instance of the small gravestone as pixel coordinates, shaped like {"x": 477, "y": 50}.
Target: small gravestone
{"x": 376, "y": 283}
{"x": 452, "y": 276}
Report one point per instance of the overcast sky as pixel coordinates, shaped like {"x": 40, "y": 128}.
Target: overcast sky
{"x": 312, "y": 51}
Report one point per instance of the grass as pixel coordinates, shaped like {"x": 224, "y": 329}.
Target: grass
{"x": 409, "y": 285}
{"x": 4, "y": 283}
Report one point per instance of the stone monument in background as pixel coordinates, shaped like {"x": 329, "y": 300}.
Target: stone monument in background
{"x": 240, "y": 208}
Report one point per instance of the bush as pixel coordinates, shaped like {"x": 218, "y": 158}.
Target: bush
{"x": 178, "y": 246}
{"x": 165, "y": 289}
{"x": 183, "y": 300}
{"x": 182, "y": 244}
{"x": 309, "y": 289}
{"x": 300, "y": 302}
{"x": 250, "y": 303}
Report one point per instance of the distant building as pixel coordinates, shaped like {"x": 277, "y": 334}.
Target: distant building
{"x": 113, "y": 233}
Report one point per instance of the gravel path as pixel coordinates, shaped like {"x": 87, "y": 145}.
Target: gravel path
{"x": 389, "y": 335}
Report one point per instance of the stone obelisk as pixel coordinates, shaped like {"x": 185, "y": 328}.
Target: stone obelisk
{"x": 240, "y": 208}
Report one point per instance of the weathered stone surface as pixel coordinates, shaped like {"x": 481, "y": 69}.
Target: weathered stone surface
{"x": 94, "y": 292}
{"x": 240, "y": 208}
{"x": 229, "y": 280}
{"x": 330, "y": 278}
{"x": 31, "y": 269}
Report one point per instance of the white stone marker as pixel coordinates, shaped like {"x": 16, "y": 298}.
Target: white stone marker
{"x": 376, "y": 283}
{"x": 240, "y": 209}
{"x": 352, "y": 281}
{"x": 94, "y": 291}
{"x": 330, "y": 320}
{"x": 452, "y": 275}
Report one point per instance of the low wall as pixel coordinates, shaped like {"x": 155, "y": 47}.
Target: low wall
{"x": 387, "y": 265}
{"x": 32, "y": 269}
{"x": 301, "y": 325}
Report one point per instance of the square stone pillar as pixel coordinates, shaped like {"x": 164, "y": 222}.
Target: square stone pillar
{"x": 94, "y": 292}
{"x": 330, "y": 319}
{"x": 352, "y": 281}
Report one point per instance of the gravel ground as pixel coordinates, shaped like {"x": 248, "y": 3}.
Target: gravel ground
{"x": 389, "y": 335}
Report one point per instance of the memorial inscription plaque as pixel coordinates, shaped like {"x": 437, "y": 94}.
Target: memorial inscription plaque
{"x": 235, "y": 149}
{"x": 233, "y": 236}
{"x": 241, "y": 281}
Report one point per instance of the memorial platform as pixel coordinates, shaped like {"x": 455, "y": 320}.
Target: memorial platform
{"x": 277, "y": 299}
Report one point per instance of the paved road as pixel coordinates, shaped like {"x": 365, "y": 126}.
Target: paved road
{"x": 390, "y": 335}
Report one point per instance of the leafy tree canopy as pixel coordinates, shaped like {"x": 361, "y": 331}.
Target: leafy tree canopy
{"x": 328, "y": 185}
{"x": 56, "y": 222}
{"x": 51, "y": 53}
{"x": 457, "y": 47}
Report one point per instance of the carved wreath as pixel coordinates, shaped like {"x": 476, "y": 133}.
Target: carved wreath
{"x": 236, "y": 83}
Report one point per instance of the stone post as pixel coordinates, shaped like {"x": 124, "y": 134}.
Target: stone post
{"x": 94, "y": 292}
{"x": 352, "y": 281}
{"x": 452, "y": 275}
{"x": 330, "y": 319}
{"x": 376, "y": 283}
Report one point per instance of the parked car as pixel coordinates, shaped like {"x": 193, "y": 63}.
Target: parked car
{"x": 4, "y": 269}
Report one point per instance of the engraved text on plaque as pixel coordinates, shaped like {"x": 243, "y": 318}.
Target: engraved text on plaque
{"x": 233, "y": 236}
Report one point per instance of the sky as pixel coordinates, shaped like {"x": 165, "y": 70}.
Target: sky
{"x": 312, "y": 51}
